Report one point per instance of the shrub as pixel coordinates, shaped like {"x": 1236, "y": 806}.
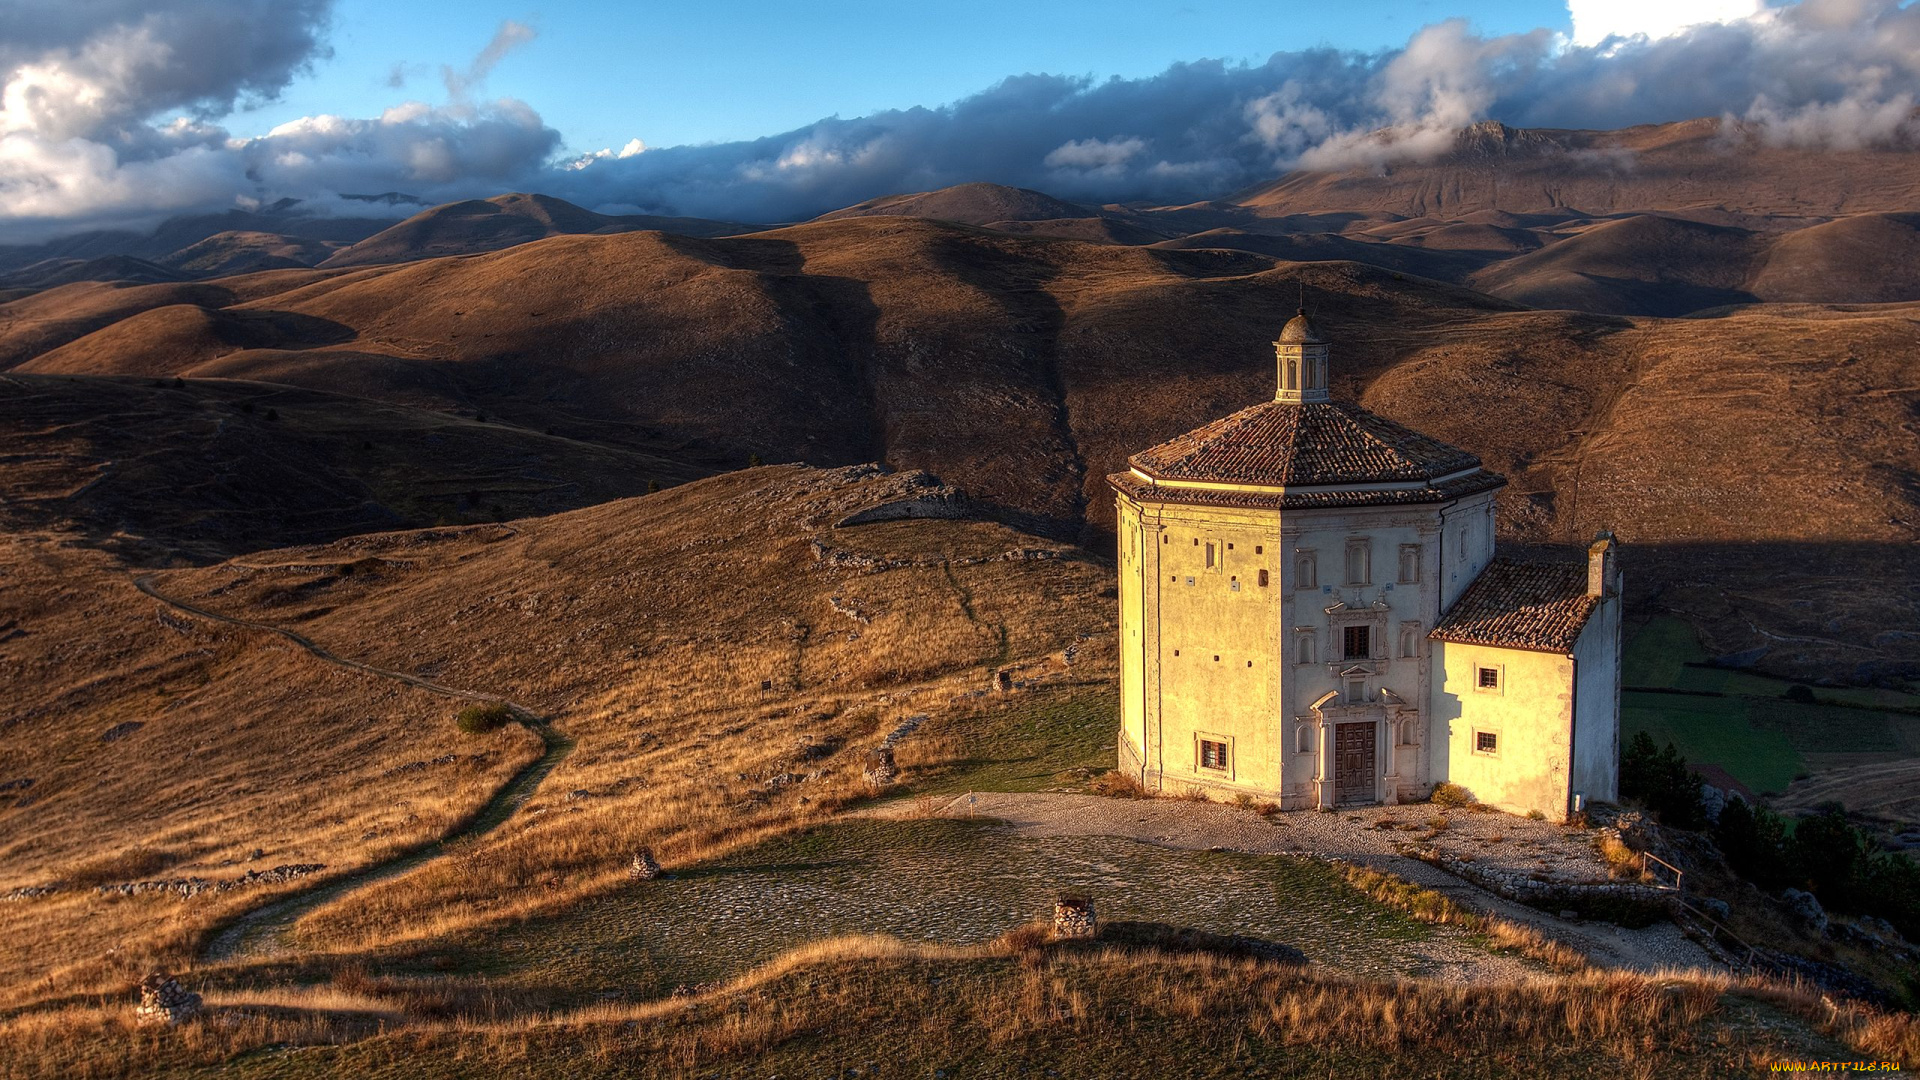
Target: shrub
{"x": 480, "y": 719}
{"x": 1800, "y": 695}
{"x": 1448, "y": 793}
{"x": 273, "y": 414}
{"x": 1832, "y": 856}
{"x": 1115, "y": 784}
{"x": 1754, "y": 843}
{"x": 1661, "y": 781}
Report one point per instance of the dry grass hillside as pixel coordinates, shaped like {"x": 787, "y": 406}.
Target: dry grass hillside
{"x": 1131, "y": 1011}
{"x": 690, "y": 647}
{"x": 161, "y": 471}
{"x": 477, "y": 225}
{"x": 968, "y": 204}
{"x": 1025, "y": 369}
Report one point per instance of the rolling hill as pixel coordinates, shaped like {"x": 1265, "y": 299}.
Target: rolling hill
{"x": 479, "y": 225}
{"x": 1025, "y": 369}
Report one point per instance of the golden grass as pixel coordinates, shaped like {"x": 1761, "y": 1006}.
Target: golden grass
{"x": 851, "y": 996}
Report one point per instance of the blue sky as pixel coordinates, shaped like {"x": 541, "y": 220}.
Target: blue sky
{"x": 604, "y": 72}
{"x": 119, "y": 113}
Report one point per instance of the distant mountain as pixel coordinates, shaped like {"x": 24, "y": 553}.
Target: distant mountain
{"x": 173, "y": 235}
{"x": 1702, "y": 164}
{"x": 478, "y": 225}
{"x": 241, "y": 252}
{"x": 968, "y": 204}
{"x": 48, "y": 273}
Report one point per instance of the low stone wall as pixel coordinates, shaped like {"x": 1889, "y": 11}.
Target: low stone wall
{"x": 194, "y": 886}
{"x": 1626, "y": 903}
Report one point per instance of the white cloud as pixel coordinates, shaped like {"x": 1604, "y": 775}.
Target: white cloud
{"x": 1094, "y": 155}
{"x": 1594, "y": 21}
{"x": 108, "y": 114}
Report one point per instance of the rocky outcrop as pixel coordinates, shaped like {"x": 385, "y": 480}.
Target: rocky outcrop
{"x": 1806, "y": 907}
{"x": 164, "y": 1002}
{"x": 915, "y": 494}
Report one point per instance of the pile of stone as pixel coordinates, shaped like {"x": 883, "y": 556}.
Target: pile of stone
{"x": 644, "y": 867}
{"x": 1073, "y": 916}
{"x": 164, "y": 1001}
{"x": 31, "y": 892}
{"x": 880, "y": 769}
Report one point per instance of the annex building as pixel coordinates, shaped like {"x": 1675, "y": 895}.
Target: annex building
{"x": 1312, "y": 611}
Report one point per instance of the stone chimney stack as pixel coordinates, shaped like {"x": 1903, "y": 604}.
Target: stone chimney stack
{"x": 1603, "y": 572}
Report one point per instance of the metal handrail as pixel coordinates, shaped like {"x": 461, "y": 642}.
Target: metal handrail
{"x": 1648, "y": 860}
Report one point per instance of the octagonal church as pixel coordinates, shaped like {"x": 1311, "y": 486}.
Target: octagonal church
{"x": 1312, "y": 612}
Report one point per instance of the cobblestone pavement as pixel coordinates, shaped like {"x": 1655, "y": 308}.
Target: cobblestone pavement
{"x": 959, "y": 882}
{"x": 1490, "y": 837}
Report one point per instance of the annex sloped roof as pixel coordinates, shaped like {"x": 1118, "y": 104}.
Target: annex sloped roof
{"x": 1541, "y": 606}
{"x": 1282, "y": 444}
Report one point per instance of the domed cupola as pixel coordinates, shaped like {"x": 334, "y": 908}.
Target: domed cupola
{"x": 1301, "y": 354}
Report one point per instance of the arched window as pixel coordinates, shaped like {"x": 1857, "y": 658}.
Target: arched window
{"x": 1360, "y": 562}
{"x": 1305, "y": 575}
{"x": 1293, "y": 374}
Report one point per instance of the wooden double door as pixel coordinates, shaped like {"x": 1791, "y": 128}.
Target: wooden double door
{"x": 1355, "y": 760}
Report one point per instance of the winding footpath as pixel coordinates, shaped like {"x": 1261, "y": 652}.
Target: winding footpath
{"x": 265, "y": 931}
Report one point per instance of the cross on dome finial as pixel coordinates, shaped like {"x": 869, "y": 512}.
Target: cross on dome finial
{"x": 1301, "y": 354}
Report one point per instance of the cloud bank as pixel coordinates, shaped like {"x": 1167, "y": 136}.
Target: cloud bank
{"x": 109, "y": 110}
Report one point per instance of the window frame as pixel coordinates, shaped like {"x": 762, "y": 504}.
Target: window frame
{"x": 1203, "y": 739}
{"x": 1409, "y": 640}
{"x": 1305, "y": 645}
{"x": 1306, "y": 569}
{"x": 1480, "y": 670}
{"x": 1486, "y": 743}
{"x": 1347, "y": 632}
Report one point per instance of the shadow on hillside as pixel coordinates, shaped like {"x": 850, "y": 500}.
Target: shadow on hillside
{"x": 1020, "y": 461}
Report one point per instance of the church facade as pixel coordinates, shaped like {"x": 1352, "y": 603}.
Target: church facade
{"x": 1312, "y": 611}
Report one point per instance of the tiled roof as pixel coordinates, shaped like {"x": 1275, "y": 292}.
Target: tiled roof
{"x": 1135, "y": 488}
{"x": 1280, "y": 444}
{"x": 1522, "y": 605}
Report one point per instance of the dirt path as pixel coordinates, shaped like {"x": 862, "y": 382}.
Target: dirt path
{"x": 1202, "y": 826}
{"x": 263, "y": 931}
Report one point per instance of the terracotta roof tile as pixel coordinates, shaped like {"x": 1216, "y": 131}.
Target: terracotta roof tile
{"x": 1141, "y": 490}
{"x": 1279, "y": 443}
{"x": 1521, "y": 605}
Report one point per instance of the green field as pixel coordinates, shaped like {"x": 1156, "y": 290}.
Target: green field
{"x": 1743, "y": 722}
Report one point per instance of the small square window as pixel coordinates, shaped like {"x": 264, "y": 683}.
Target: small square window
{"x": 1213, "y": 755}
{"x": 1486, "y": 742}
{"x": 1259, "y": 549}
{"x": 1263, "y": 579}
{"x": 1487, "y": 678}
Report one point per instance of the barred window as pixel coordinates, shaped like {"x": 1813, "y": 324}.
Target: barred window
{"x": 1213, "y": 755}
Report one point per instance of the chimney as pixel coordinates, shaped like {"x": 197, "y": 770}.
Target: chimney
{"x": 1603, "y": 574}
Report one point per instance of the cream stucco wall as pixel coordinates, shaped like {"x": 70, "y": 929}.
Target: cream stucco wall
{"x": 1208, "y": 652}
{"x": 1596, "y": 715}
{"x": 1529, "y": 714}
